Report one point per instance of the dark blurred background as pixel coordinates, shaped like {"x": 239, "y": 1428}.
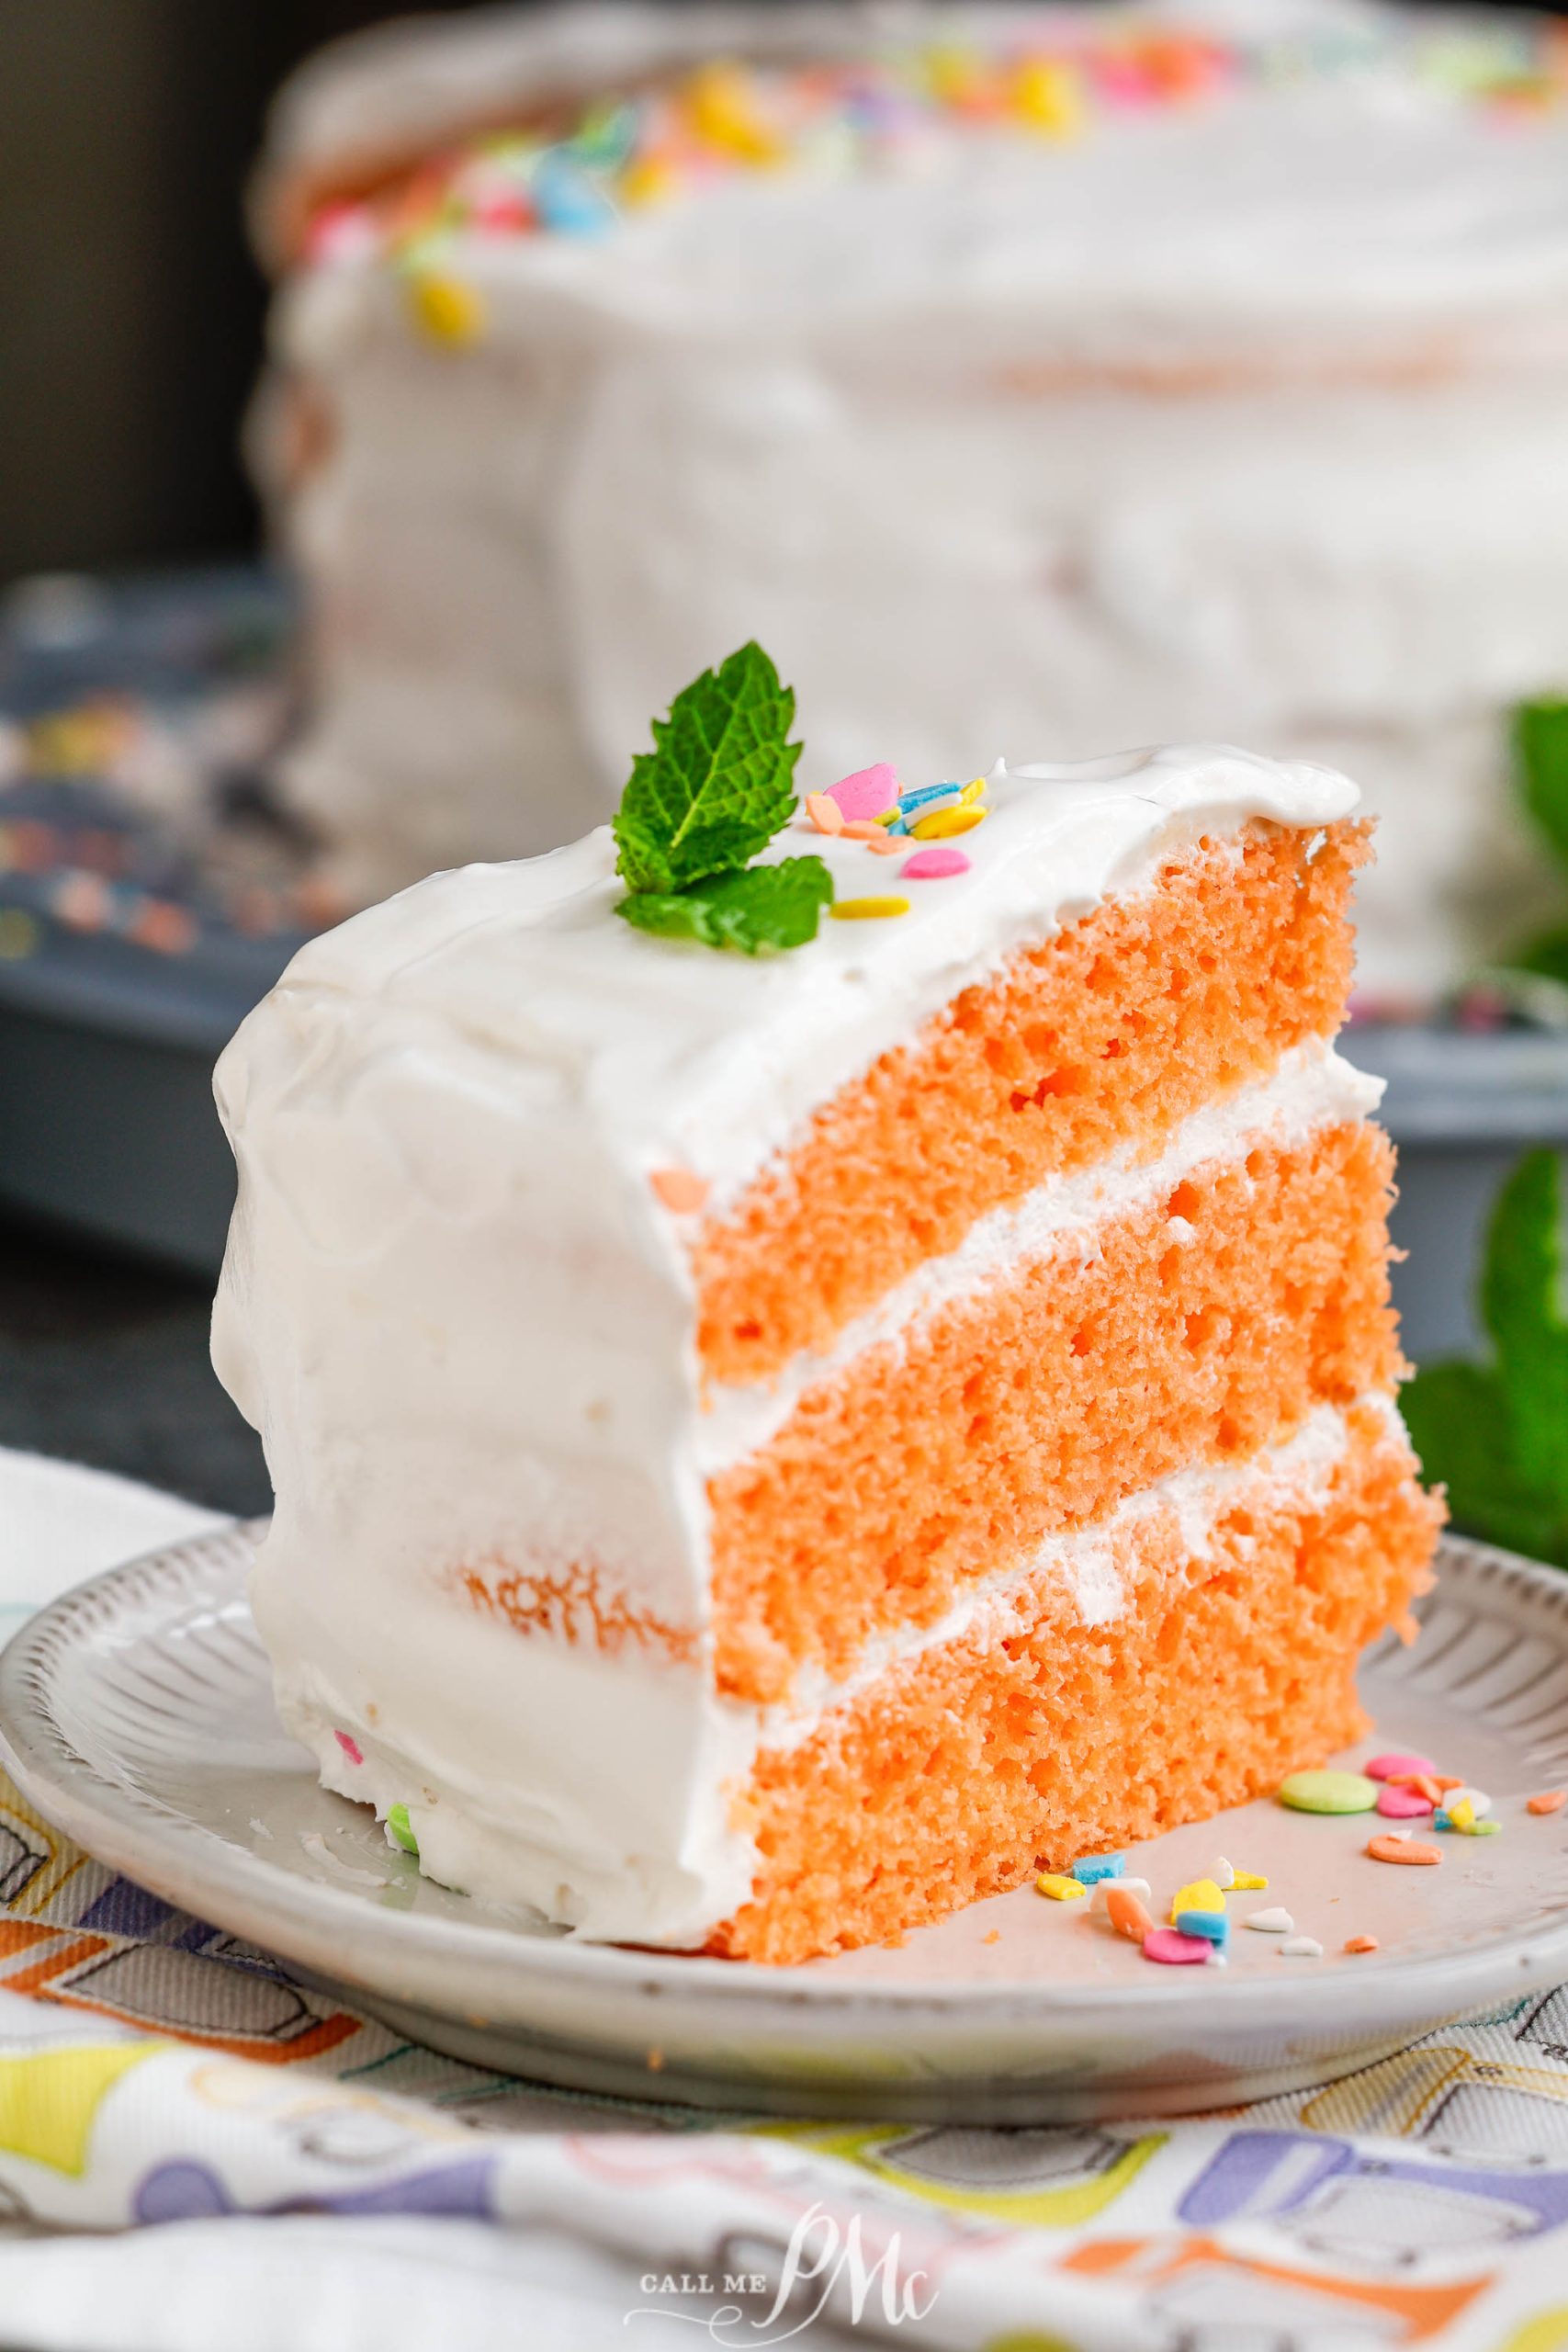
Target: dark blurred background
{"x": 131, "y": 319}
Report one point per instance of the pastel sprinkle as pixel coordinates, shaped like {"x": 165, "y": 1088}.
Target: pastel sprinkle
{"x": 1249, "y": 1882}
{"x": 1059, "y": 1887}
{"x": 1396, "y": 1767}
{"x": 870, "y": 792}
{"x": 1213, "y": 1926}
{"x": 1402, "y": 1805}
{"x": 1360, "y": 1943}
{"x": 399, "y": 1829}
{"x": 862, "y": 829}
{"x": 445, "y": 310}
{"x": 1135, "y": 1886}
{"x": 946, "y": 822}
{"x": 1274, "y": 1922}
{"x": 1127, "y": 1914}
{"x": 1300, "y": 1948}
{"x": 679, "y": 1189}
{"x": 921, "y": 794}
{"x": 1476, "y": 1799}
{"x": 1329, "y": 1793}
{"x": 824, "y": 812}
{"x": 1199, "y": 1895}
{"x": 1090, "y": 1872}
{"x": 884, "y": 845}
{"x": 972, "y": 791}
{"x": 1549, "y": 1800}
{"x": 1396, "y": 1848}
{"x": 866, "y": 910}
{"x": 1175, "y": 1949}
{"x": 350, "y": 1746}
{"x": 932, "y": 864}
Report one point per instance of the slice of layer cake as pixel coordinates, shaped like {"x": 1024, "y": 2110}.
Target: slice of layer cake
{"x": 770, "y": 1448}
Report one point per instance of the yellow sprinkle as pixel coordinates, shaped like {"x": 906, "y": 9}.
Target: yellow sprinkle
{"x": 889, "y": 816}
{"x": 864, "y": 910}
{"x": 446, "y": 310}
{"x": 1463, "y": 1815}
{"x": 972, "y": 791}
{"x": 1059, "y": 1889}
{"x": 1047, "y": 97}
{"x": 1247, "y": 1882}
{"x": 1201, "y": 1894}
{"x": 648, "y": 179}
{"x": 946, "y": 822}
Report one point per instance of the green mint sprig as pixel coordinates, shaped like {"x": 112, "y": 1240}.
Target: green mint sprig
{"x": 718, "y": 783}
{"x": 1541, "y": 766}
{"x": 1498, "y": 1433}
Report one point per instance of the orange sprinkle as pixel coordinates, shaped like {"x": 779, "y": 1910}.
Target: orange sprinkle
{"x": 992, "y": 1936}
{"x": 679, "y": 1189}
{"x": 1360, "y": 1943}
{"x": 1443, "y": 1782}
{"x": 1549, "y": 1800}
{"x": 1127, "y": 1915}
{"x": 864, "y": 830}
{"x": 825, "y": 813}
{"x": 1422, "y": 1784}
{"x": 1403, "y": 1850}
{"x": 885, "y": 844}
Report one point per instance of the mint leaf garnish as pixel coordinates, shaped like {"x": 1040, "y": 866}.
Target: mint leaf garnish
{"x": 1541, "y": 752}
{"x": 720, "y": 782}
{"x": 755, "y": 912}
{"x": 1498, "y": 1433}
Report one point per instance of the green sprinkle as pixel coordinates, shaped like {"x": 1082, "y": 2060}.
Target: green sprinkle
{"x": 398, "y": 1823}
{"x": 1329, "y": 1793}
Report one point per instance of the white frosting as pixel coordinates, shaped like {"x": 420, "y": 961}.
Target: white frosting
{"x": 1242, "y": 418}
{"x": 464, "y": 1324}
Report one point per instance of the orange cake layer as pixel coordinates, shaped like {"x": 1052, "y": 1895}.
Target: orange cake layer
{"x": 1117, "y": 1028}
{"x": 1048, "y": 1397}
{"x": 960, "y": 1773}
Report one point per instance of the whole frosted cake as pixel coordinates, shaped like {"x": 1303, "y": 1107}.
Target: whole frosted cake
{"x": 1044, "y": 375}
{"x": 818, "y": 1359}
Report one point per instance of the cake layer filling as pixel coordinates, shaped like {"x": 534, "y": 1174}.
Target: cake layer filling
{"x": 1198, "y": 1327}
{"x": 1023, "y": 1745}
{"x": 1110, "y": 1034}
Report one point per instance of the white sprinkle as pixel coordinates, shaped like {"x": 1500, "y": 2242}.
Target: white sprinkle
{"x": 1481, "y": 1804}
{"x": 1273, "y": 1922}
{"x": 1138, "y": 1886}
{"x": 1300, "y": 1948}
{"x": 1223, "y": 1874}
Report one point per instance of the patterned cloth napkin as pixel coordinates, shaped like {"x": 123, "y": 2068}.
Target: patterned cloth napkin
{"x": 198, "y": 2155}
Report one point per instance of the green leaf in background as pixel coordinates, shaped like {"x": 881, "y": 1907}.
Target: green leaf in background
{"x": 755, "y": 912}
{"x": 718, "y": 783}
{"x": 1546, "y": 953}
{"x": 1497, "y": 1434}
{"x": 1541, "y": 752}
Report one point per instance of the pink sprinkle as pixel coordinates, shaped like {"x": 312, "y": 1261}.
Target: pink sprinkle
{"x": 932, "y": 864}
{"x": 1177, "y": 1950}
{"x": 1392, "y": 1768}
{"x": 1402, "y": 1805}
{"x": 349, "y": 1745}
{"x": 870, "y": 792}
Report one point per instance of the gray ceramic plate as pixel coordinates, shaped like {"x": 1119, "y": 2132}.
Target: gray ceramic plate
{"x": 137, "y": 1716}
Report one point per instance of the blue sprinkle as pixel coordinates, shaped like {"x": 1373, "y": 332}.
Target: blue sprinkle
{"x": 567, "y": 199}
{"x": 897, "y": 826}
{"x": 1213, "y": 1926}
{"x": 924, "y": 791}
{"x": 1104, "y": 1866}
{"x": 1442, "y": 1820}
